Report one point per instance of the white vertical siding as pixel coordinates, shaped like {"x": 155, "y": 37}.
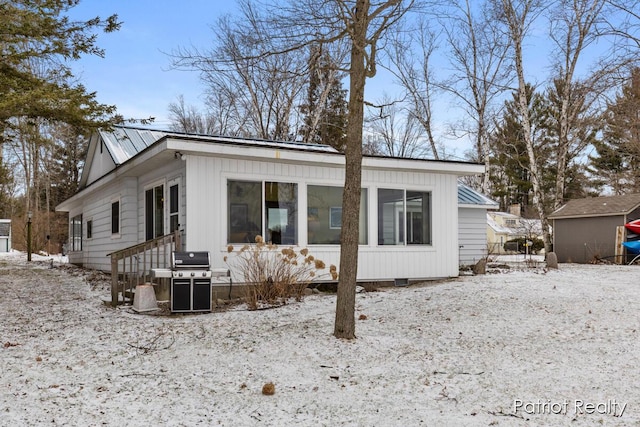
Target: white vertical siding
{"x": 206, "y": 179}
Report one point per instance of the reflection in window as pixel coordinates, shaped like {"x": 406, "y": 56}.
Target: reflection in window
{"x": 76, "y": 233}
{"x": 324, "y": 215}
{"x": 244, "y": 204}
{"x": 282, "y": 213}
{"x": 418, "y": 218}
{"x": 404, "y": 217}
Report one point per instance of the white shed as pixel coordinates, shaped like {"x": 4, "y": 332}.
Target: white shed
{"x": 5, "y": 235}
{"x": 139, "y": 184}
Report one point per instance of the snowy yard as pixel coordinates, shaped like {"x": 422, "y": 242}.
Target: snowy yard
{"x": 520, "y": 348}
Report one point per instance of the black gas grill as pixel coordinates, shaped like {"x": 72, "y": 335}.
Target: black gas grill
{"x": 190, "y": 282}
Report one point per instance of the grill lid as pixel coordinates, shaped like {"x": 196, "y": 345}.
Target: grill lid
{"x": 197, "y": 259}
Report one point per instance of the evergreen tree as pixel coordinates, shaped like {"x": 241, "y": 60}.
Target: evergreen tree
{"x": 509, "y": 173}
{"x": 325, "y": 110}
{"x": 36, "y": 36}
{"x": 617, "y": 163}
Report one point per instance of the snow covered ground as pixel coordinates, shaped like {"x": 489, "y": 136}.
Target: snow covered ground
{"x": 518, "y": 348}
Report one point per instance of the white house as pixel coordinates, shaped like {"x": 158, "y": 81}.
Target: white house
{"x": 138, "y": 184}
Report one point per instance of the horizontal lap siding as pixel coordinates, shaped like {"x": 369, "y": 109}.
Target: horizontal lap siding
{"x": 207, "y": 203}
{"x": 98, "y": 210}
{"x": 472, "y": 232}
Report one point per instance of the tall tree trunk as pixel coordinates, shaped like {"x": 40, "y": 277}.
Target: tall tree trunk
{"x": 345, "y": 324}
{"x": 517, "y": 25}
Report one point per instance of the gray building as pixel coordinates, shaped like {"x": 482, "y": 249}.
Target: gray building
{"x": 585, "y": 230}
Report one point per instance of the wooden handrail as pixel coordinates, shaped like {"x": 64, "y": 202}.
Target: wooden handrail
{"x": 148, "y": 253}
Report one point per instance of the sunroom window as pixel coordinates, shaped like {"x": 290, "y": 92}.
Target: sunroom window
{"x": 324, "y": 215}
{"x": 404, "y": 217}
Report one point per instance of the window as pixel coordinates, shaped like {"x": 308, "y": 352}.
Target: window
{"x": 250, "y": 212}
{"x": 244, "y": 204}
{"x": 174, "y": 208}
{"x": 76, "y": 233}
{"x": 404, "y": 217}
{"x": 89, "y": 229}
{"x": 154, "y": 212}
{"x": 115, "y": 217}
{"x": 324, "y": 215}
{"x": 281, "y": 212}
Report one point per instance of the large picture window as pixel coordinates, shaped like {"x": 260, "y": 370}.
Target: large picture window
{"x": 244, "y": 210}
{"x": 281, "y": 207}
{"x": 267, "y": 209}
{"x": 324, "y": 215}
{"x": 404, "y": 217}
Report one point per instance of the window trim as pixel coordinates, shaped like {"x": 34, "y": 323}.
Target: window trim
{"x": 152, "y": 186}
{"x": 116, "y": 234}
{"x": 405, "y": 243}
{"x": 89, "y": 226}
{"x": 72, "y": 235}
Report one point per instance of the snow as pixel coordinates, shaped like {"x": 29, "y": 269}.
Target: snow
{"x": 460, "y": 352}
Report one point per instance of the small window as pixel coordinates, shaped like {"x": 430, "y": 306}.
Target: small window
{"x": 76, "y": 233}
{"x": 89, "y": 229}
{"x": 115, "y": 217}
{"x": 174, "y": 208}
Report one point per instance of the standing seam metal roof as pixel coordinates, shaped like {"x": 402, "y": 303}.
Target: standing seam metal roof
{"x": 468, "y": 196}
{"x": 125, "y": 142}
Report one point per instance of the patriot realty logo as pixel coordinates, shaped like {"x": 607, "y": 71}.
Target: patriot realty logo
{"x": 577, "y": 407}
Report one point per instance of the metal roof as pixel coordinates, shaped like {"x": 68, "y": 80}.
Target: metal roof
{"x": 598, "y": 206}
{"x": 124, "y": 142}
{"x": 468, "y": 196}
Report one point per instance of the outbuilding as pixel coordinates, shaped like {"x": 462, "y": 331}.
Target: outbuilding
{"x": 5, "y": 235}
{"x": 591, "y": 229}
{"x": 141, "y": 184}
{"x": 472, "y": 224}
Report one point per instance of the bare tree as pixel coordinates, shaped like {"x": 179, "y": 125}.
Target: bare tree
{"x": 395, "y": 131}
{"x": 518, "y": 15}
{"x": 188, "y": 119}
{"x": 414, "y": 74}
{"x": 481, "y": 69}
{"x": 269, "y": 38}
{"x": 263, "y": 90}
{"x": 574, "y": 26}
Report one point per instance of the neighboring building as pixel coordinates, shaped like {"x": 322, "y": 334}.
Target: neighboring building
{"x": 502, "y": 227}
{"x": 585, "y": 230}
{"x": 472, "y": 224}
{"x": 139, "y": 184}
{"x": 5, "y": 235}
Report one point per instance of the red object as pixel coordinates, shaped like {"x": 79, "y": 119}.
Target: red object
{"x": 633, "y": 226}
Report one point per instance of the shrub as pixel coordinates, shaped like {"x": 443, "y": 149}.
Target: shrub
{"x": 273, "y": 275}
{"x": 518, "y": 245}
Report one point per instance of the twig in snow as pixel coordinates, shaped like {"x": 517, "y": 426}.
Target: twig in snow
{"x": 501, "y": 413}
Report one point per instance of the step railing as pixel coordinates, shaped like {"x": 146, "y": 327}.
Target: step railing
{"x": 132, "y": 266}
